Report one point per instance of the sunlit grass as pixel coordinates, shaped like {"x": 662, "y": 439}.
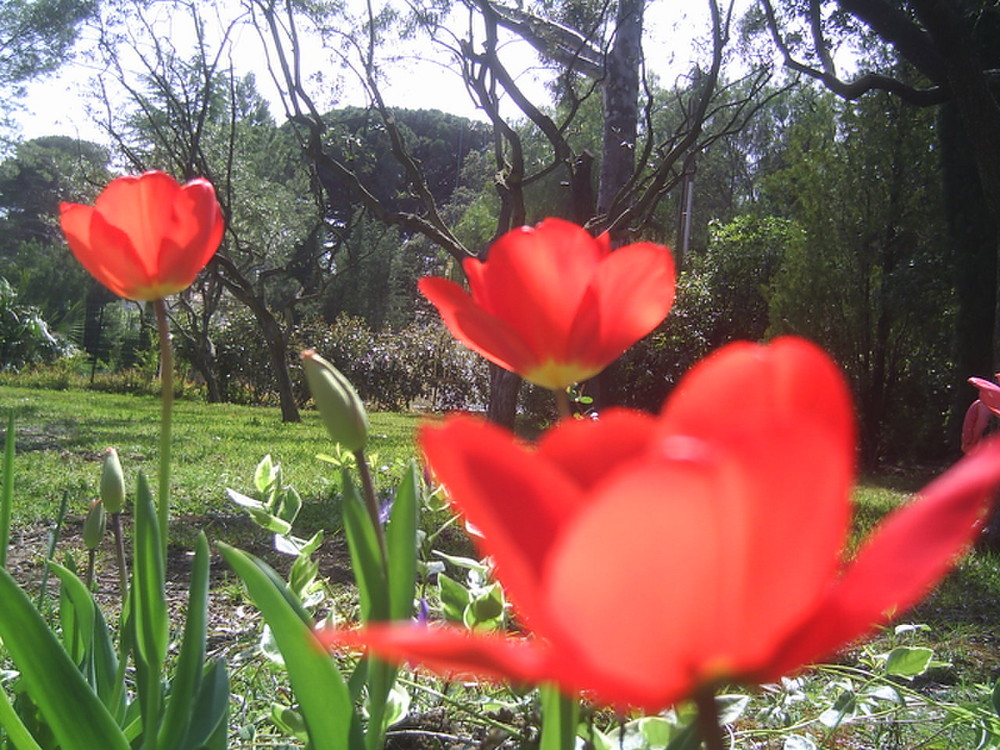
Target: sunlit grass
{"x": 61, "y": 436}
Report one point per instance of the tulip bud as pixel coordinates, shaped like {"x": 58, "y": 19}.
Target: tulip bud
{"x": 112, "y": 482}
{"x": 94, "y": 524}
{"x": 338, "y": 403}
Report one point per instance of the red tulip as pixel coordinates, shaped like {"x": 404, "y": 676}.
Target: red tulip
{"x": 554, "y": 304}
{"x": 652, "y": 557}
{"x": 145, "y": 237}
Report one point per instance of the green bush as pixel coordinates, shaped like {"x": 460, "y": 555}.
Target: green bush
{"x": 25, "y": 338}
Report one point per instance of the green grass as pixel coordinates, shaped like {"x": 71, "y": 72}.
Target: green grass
{"x": 61, "y": 437}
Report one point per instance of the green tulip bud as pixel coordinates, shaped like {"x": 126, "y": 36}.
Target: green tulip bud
{"x": 94, "y": 524}
{"x": 112, "y": 482}
{"x": 338, "y": 403}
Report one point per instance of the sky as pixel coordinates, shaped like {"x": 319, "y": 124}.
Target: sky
{"x": 61, "y": 104}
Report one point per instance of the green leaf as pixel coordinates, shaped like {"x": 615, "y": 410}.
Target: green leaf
{"x": 657, "y": 731}
{"x": 150, "y": 622}
{"x": 996, "y": 697}
{"x": 289, "y": 721}
{"x": 92, "y": 647}
{"x": 209, "y": 723}
{"x": 401, "y": 545}
{"x": 76, "y": 614}
{"x": 908, "y": 661}
{"x": 366, "y": 560}
{"x": 731, "y": 707}
{"x": 186, "y": 683}
{"x": 243, "y": 500}
{"x": 318, "y": 686}
{"x": 263, "y": 476}
{"x": 486, "y": 609}
{"x": 77, "y": 717}
{"x": 454, "y": 598}
{"x": 289, "y": 505}
{"x": 7, "y": 489}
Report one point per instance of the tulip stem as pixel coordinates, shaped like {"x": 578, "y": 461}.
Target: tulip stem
{"x": 167, "y": 401}
{"x": 560, "y": 714}
{"x": 371, "y": 503}
{"x": 116, "y": 532}
{"x": 562, "y": 403}
{"x": 708, "y": 719}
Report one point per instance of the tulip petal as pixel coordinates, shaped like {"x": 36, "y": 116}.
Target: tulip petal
{"x": 907, "y": 554}
{"x": 631, "y": 293}
{"x": 192, "y": 237}
{"x": 105, "y": 251}
{"x": 588, "y": 450}
{"x": 680, "y": 571}
{"x": 637, "y": 586}
{"x": 744, "y": 384}
{"x": 517, "y": 502}
{"x": 977, "y": 419}
{"x": 786, "y": 408}
{"x": 481, "y": 332}
{"x": 449, "y": 651}
{"x": 143, "y": 208}
{"x": 989, "y": 393}
{"x": 535, "y": 279}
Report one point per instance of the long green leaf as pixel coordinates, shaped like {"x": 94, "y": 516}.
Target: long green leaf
{"x": 210, "y": 712}
{"x": 77, "y": 717}
{"x": 366, "y": 560}
{"x": 186, "y": 684}
{"x": 97, "y": 658}
{"x": 17, "y": 732}
{"x": 149, "y": 617}
{"x": 7, "y": 491}
{"x": 76, "y": 614}
{"x": 318, "y": 685}
{"x": 401, "y": 543}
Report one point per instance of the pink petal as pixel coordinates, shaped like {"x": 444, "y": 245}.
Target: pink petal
{"x": 989, "y": 393}
{"x": 977, "y": 419}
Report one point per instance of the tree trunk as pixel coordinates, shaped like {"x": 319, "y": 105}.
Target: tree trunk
{"x": 504, "y": 389}
{"x": 274, "y": 335}
{"x": 621, "y": 105}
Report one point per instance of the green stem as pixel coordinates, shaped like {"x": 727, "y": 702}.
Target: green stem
{"x": 167, "y": 401}
{"x": 562, "y": 403}
{"x": 371, "y": 504}
{"x": 708, "y": 719}
{"x": 116, "y": 532}
{"x": 560, "y": 714}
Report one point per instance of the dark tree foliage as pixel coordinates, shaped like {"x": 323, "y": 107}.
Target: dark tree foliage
{"x": 33, "y": 181}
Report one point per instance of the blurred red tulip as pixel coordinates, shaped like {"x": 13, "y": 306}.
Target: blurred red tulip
{"x": 554, "y": 304}
{"x": 145, "y": 237}
{"x": 652, "y": 557}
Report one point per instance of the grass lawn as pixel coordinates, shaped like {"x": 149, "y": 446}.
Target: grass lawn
{"x": 61, "y": 437}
